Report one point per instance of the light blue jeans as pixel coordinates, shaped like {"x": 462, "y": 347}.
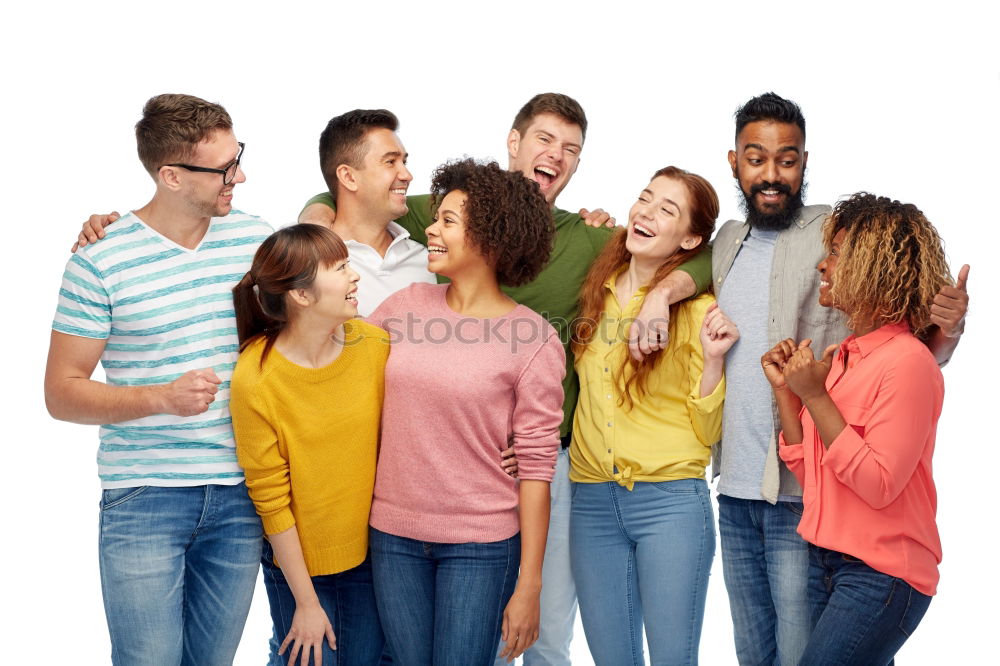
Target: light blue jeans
{"x": 641, "y": 559}
{"x": 178, "y": 569}
{"x": 766, "y": 567}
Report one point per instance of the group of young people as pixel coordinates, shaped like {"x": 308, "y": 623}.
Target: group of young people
{"x": 454, "y": 415}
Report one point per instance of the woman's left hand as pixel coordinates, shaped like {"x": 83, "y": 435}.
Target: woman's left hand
{"x": 520, "y": 624}
{"x": 805, "y": 375}
{"x": 718, "y": 332}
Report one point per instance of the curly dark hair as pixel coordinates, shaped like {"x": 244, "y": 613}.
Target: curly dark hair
{"x": 506, "y": 217}
{"x": 769, "y": 107}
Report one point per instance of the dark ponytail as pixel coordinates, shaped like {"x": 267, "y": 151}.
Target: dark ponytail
{"x": 288, "y": 259}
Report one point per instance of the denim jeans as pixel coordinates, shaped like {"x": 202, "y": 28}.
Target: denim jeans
{"x": 862, "y": 616}
{"x": 442, "y": 603}
{"x": 558, "y": 600}
{"x": 765, "y": 564}
{"x": 347, "y": 597}
{"x": 178, "y": 569}
{"x": 642, "y": 558}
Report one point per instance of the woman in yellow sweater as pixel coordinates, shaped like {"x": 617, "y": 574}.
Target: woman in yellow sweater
{"x": 642, "y": 534}
{"x": 306, "y": 402}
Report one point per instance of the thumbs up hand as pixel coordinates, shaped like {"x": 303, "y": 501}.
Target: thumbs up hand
{"x": 950, "y": 306}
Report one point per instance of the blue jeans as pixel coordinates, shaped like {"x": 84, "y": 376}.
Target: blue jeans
{"x": 557, "y": 603}
{"x": 642, "y": 558}
{"x": 862, "y": 616}
{"x": 347, "y": 597}
{"x": 765, "y": 564}
{"x": 178, "y": 569}
{"x": 442, "y": 603}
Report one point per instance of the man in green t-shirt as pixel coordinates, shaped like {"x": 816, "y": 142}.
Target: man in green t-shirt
{"x": 544, "y": 144}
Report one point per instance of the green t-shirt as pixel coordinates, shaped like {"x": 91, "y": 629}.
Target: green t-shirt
{"x": 555, "y": 293}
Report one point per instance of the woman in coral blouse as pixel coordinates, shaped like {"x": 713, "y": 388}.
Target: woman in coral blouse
{"x": 642, "y": 535}
{"x": 858, "y": 429}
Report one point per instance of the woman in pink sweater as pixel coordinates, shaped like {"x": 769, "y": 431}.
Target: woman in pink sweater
{"x": 858, "y": 432}
{"x": 470, "y": 372}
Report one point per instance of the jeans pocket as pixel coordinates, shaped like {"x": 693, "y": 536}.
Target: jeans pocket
{"x": 114, "y": 496}
{"x": 679, "y": 486}
{"x": 916, "y": 606}
{"x": 794, "y": 507}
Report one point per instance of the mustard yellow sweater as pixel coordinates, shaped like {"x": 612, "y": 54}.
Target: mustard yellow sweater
{"x": 307, "y": 440}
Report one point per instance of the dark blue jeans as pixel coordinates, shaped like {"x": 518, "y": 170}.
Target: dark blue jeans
{"x": 765, "y": 564}
{"x": 862, "y": 616}
{"x": 349, "y": 601}
{"x": 443, "y": 603}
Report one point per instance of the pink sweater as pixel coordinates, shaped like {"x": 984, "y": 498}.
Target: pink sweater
{"x": 457, "y": 391}
{"x": 871, "y": 494}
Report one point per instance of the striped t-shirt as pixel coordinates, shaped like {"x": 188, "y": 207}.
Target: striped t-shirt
{"x": 164, "y": 310}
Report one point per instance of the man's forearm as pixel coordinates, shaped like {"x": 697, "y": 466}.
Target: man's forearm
{"x": 89, "y": 402}
{"x": 942, "y": 346}
{"x": 674, "y": 288}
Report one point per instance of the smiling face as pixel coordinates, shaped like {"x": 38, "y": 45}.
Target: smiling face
{"x": 383, "y": 179}
{"x": 334, "y": 292}
{"x": 204, "y": 193}
{"x": 769, "y": 164}
{"x": 548, "y": 153}
{"x": 827, "y": 269}
{"x": 448, "y": 251}
{"x": 659, "y": 222}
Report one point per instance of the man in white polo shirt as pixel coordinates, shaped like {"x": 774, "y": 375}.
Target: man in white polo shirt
{"x": 364, "y": 165}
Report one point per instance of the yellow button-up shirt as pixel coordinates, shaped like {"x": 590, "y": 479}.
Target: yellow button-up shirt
{"x": 669, "y": 431}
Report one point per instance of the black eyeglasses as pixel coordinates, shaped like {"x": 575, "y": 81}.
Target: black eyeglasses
{"x": 228, "y": 174}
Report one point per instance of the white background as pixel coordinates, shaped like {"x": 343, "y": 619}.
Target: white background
{"x": 900, "y": 99}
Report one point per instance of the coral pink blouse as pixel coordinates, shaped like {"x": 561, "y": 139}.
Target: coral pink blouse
{"x": 871, "y": 494}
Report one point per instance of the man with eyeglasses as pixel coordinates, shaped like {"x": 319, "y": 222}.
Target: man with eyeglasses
{"x": 180, "y": 540}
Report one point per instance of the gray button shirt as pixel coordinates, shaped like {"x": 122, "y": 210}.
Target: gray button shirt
{"x": 793, "y": 311}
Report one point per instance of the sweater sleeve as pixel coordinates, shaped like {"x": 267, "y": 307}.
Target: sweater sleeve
{"x": 699, "y": 267}
{"x": 876, "y": 454}
{"x": 537, "y": 415}
{"x": 258, "y": 452}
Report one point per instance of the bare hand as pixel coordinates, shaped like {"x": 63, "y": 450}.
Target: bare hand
{"x": 805, "y": 375}
{"x": 508, "y": 461}
{"x": 93, "y": 229}
{"x": 319, "y": 214}
{"x": 650, "y": 332}
{"x": 950, "y": 306}
{"x": 520, "y": 624}
{"x": 597, "y": 218}
{"x": 191, "y": 393}
{"x": 774, "y": 361}
{"x": 718, "y": 332}
{"x": 309, "y": 626}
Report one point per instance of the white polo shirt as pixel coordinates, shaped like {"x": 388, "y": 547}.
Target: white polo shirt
{"x": 404, "y": 263}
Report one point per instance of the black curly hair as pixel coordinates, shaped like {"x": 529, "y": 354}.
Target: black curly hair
{"x": 506, "y": 217}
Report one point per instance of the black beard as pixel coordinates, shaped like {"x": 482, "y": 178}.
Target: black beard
{"x": 778, "y": 220}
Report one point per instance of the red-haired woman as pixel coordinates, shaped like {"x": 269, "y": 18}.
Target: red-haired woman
{"x": 306, "y": 403}
{"x": 642, "y": 535}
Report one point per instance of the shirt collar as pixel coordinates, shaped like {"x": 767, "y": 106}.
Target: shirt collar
{"x": 866, "y": 344}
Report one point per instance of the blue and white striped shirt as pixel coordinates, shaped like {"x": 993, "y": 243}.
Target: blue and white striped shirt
{"x": 164, "y": 310}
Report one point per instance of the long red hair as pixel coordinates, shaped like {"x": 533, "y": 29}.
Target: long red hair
{"x": 704, "y": 210}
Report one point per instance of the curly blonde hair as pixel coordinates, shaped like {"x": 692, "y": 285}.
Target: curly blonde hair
{"x": 891, "y": 262}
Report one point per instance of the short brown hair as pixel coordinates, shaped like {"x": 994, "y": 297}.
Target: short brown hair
{"x": 343, "y": 141}
{"x": 561, "y": 105}
{"x": 506, "y": 217}
{"x": 172, "y": 125}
